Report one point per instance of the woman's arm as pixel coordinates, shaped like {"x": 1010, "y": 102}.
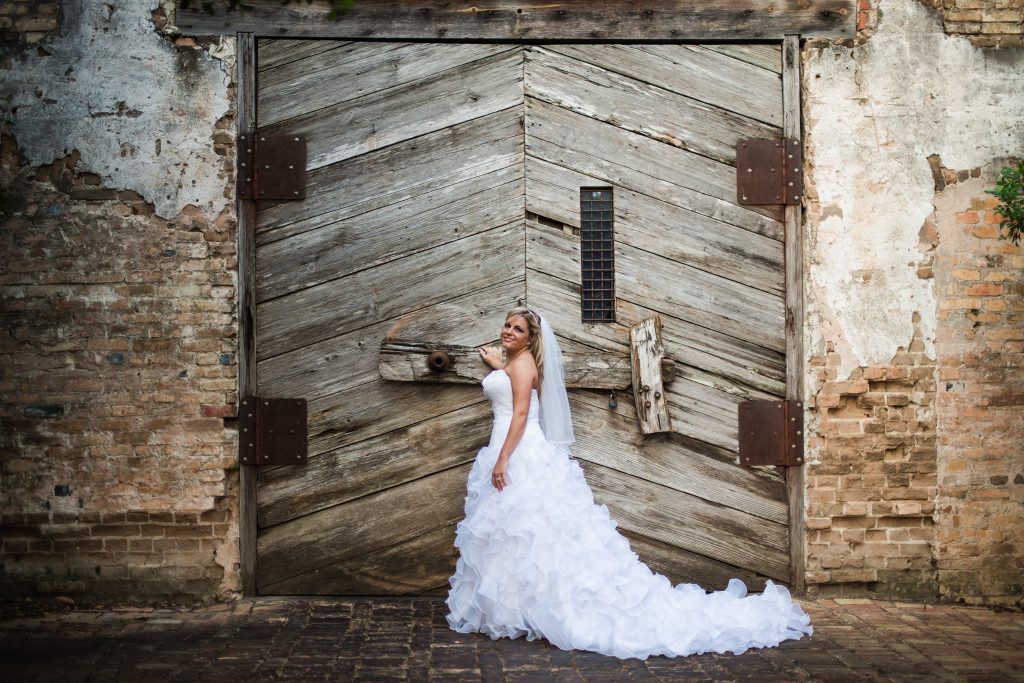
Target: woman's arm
{"x": 522, "y": 376}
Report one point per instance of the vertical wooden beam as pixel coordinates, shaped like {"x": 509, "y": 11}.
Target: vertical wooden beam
{"x": 245, "y": 98}
{"x": 795, "y": 476}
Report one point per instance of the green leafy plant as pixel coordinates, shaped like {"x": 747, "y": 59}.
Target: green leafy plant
{"x": 338, "y": 7}
{"x": 1010, "y": 192}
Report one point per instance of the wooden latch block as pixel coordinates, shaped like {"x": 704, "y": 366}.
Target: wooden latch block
{"x": 647, "y": 354}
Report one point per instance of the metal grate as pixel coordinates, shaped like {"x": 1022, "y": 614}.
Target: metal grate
{"x": 597, "y": 242}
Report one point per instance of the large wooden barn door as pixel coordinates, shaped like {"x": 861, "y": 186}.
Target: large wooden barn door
{"x": 443, "y": 188}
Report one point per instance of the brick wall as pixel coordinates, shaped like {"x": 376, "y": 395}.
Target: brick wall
{"x": 118, "y": 367}
{"x": 27, "y": 22}
{"x": 871, "y": 479}
{"x": 979, "y": 544}
{"x": 986, "y": 23}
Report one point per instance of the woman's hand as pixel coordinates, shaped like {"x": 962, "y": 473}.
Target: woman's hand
{"x": 492, "y": 355}
{"x": 499, "y": 475}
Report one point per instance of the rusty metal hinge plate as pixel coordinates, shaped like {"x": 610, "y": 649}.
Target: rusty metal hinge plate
{"x": 769, "y": 171}
{"x": 271, "y": 166}
{"x": 272, "y": 431}
{"x": 771, "y": 433}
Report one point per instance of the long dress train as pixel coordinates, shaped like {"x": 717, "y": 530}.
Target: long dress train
{"x": 542, "y": 560}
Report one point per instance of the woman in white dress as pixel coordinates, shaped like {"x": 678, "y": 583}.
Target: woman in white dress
{"x": 538, "y": 558}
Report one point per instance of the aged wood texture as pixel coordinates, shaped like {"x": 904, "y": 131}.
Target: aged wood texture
{"x": 646, "y": 354}
{"x": 378, "y": 463}
{"x": 426, "y": 277}
{"x": 439, "y": 20}
{"x": 397, "y": 173}
{"x": 374, "y": 522}
{"x": 382, "y": 118}
{"x": 418, "y": 566}
{"x": 407, "y": 361}
{"x": 795, "y": 476}
{"x": 247, "y": 374}
{"x": 443, "y": 189}
{"x": 691, "y": 523}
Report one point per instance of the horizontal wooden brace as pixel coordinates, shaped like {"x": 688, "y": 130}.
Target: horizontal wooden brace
{"x": 505, "y": 20}
{"x": 407, "y": 361}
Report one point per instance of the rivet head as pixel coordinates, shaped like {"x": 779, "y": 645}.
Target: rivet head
{"x": 262, "y": 139}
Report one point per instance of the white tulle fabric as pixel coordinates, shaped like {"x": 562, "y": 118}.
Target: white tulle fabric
{"x": 542, "y": 560}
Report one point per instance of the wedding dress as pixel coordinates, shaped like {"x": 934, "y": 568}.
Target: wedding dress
{"x": 540, "y": 559}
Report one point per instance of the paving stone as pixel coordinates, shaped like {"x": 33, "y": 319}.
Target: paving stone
{"x": 409, "y": 640}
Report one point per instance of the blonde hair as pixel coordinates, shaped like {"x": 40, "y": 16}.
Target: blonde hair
{"x": 536, "y": 338}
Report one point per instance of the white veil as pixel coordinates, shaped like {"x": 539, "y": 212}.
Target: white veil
{"x": 555, "y": 418}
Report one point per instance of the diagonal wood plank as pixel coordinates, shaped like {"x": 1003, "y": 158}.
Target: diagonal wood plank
{"x": 390, "y": 233}
{"x": 407, "y": 111}
{"x": 330, "y": 78}
{"x": 276, "y": 52}
{"x": 662, "y": 228}
{"x": 695, "y": 72}
{"x": 613, "y": 441}
{"x": 682, "y": 121}
{"x": 389, "y": 460}
{"x": 359, "y": 300}
{"x": 691, "y": 523}
{"x": 362, "y": 526}
{"x": 413, "y": 567}
{"x": 351, "y": 359}
{"x": 397, "y": 173}
{"x": 764, "y": 55}
{"x": 629, "y": 160}
{"x": 737, "y": 362}
{"x": 667, "y": 287}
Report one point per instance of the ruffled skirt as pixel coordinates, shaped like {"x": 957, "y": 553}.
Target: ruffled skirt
{"x": 542, "y": 560}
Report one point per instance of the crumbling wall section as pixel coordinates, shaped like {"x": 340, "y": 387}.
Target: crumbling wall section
{"x": 117, "y": 288}
{"x": 880, "y": 114}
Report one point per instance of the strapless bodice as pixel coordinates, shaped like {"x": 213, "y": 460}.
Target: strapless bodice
{"x": 498, "y": 388}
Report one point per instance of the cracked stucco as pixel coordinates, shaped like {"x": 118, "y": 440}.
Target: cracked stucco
{"x": 873, "y": 115}
{"x": 140, "y": 111}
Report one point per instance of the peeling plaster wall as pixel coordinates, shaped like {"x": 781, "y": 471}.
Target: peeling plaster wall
{"x": 137, "y": 110}
{"x": 873, "y": 115}
{"x": 914, "y": 313}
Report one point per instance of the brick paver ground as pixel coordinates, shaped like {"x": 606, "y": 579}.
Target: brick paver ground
{"x": 381, "y": 640}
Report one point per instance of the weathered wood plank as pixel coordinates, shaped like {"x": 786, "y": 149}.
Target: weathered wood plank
{"x": 276, "y": 52}
{"x": 246, "y": 314}
{"x": 681, "y": 566}
{"x": 646, "y": 356}
{"x": 649, "y": 110}
{"x": 351, "y": 358}
{"x": 663, "y": 228}
{"x": 406, "y": 361}
{"x": 414, "y": 567}
{"x": 373, "y": 465}
{"x": 330, "y": 78}
{"x": 390, "y": 233}
{"x": 691, "y": 523}
{"x": 701, "y": 412}
{"x": 397, "y": 173}
{"x": 506, "y": 20}
{"x": 362, "y": 526}
{"x": 406, "y": 111}
{"x": 424, "y": 278}
{"x": 732, "y": 90}
{"x": 795, "y": 368}
{"x": 765, "y": 55}
{"x": 624, "y": 159}
{"x": 610, "y": 438}
{"x": 654, "y": 282}
{"x": 741, "y": 365}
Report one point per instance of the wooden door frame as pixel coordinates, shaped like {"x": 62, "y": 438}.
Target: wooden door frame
{"x": 246, "y": 107}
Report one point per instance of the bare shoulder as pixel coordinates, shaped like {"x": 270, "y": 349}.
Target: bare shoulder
{"x": 522, "y": 370}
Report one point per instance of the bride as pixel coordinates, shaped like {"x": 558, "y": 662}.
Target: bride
{"x": 538, "y": 558}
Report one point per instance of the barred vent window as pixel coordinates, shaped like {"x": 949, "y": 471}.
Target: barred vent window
{"x": 597, "y": 242}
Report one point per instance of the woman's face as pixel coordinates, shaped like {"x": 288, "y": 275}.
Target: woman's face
{"x": 515, "y": 334}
